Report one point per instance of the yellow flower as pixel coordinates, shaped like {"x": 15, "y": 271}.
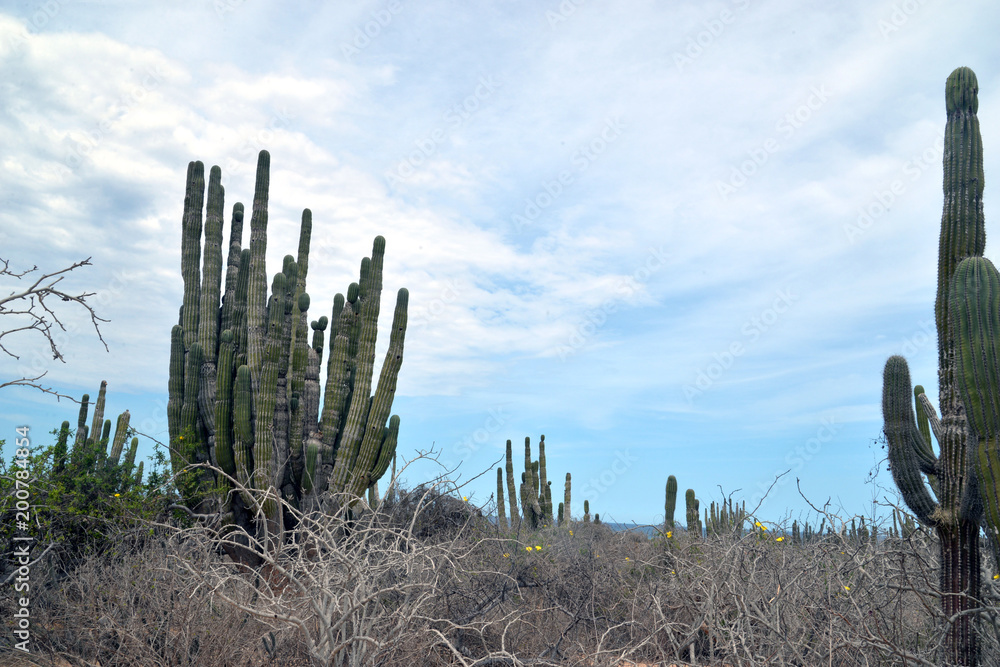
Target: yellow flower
{"x": 571, "y": 533}
{"x": 847, "y": 588}
{"x": 527, "y": 548}
{"x": 465, "y": 498}
{"x": 538, "y": 548}
{"x": 180, "y": 437}
{"x": 118, "y": 495}
{"x": 506, "y": 555}
{"x": 996, "y": 576}
{"x": 670, "y": 534}
{"x": 626, "y": 557}
{"x": 779, "y": 539}
{"x": 597, "y": 556}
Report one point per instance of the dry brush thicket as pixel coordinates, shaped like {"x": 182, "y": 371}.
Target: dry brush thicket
{"x": 427, "y": 580}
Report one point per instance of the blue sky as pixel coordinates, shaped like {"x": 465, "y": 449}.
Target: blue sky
{"x": 675, "y": 238}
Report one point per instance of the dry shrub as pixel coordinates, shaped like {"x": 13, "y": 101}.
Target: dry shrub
{"x": 142, "y": 608}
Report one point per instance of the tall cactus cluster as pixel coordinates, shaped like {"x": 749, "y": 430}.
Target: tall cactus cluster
{"x": 694, "y": 525}
{"x": 942, "y": 490}
{"x": 534, "y": 490}
{"x": 725, "y": 518}
{"x": 244, "y": 391}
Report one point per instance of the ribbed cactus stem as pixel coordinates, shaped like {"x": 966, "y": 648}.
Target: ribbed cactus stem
{"x": 121, "y": 433}
{"x": 586, "y": 511}
{"x": 60, "y": 450}
{"x": 98, "y": 422}
{"x": 567, "y": 493}
{"x": 670, "y": 502}
{"x": 81, "y": 423}
{"x": 194, "y": 198}
{"x": 511, "y": 490}
{"x": 903, "y": 438}
{"x": 501, "y": 510}
{"x": 543, "y": 482}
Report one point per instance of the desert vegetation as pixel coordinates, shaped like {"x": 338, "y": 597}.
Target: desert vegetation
{"x": 261, "y": 538}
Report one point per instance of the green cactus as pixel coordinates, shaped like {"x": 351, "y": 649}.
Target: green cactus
{"x": 59, "y": 453}
{"x": 586, "y": 511}
{"x": 501, "y": 510}
{"x": 244, "y": 391}
{"x": 561, "y": 518}
{"x": 956, "y": 512}
{"x": 511, "y": 489}
{"x": 567, "y": 494}
{"x": 670, "y": 505}
{"x": 693, "y": 520}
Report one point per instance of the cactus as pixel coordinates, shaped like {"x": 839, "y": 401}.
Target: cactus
{"x": 59, "y": 453}
{"x": 561, "y": 517}
{"x": 567, "y": 494}
{"x": 511, "y": 491}
{"x": 501, "y": 510}
{"x": 693, "y": 520}
{"x": 244, "y": 390}
{"x": 597, "y": 519}
{"x": 954, "y": 510}
{"x": 586, "y": 511}
{"x": 670, "y": 505}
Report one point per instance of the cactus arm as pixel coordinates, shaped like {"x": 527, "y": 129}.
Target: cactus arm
{"x": 384, "y": 394}
{"x": 511, "y": 490}
{"x": 501, "y": 509}
{"x": 121, "y": 431}
{"x": 232, "y": 266}
{"x": 344, "y": 477}
{"x": 224, "y": 405}
{"x": 175, "y": 387}
{"x": 257, "y": 319}
{"x": 81, "y": 423}
{"x": 209, "y": 301}
{"x": 95, "y": 429}
{"x": 975, "y": 309}
{"x": 901, "y": 433}
{"x": 243, "y": 430}
{"x": 59, "y": 453}
{"x": 194, "y": 197}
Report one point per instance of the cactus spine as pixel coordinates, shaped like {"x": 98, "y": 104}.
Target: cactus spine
{"x": 956, "y": 512}
{"x": 244, "y": 378}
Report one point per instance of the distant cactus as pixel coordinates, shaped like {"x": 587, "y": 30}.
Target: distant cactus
{"x": 670, "y": 504}
{"x": 586, "y": 511}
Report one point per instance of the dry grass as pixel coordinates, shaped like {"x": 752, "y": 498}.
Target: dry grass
{"x": 427, "y": 581}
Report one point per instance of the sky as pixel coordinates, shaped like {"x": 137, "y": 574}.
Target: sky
{"x": 676, "y": 238}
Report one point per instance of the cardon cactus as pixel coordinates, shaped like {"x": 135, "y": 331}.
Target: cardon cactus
{"x": 670, "y": 503}
{"x": 965, "y": 291}
{"x": 244, "y": 390}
